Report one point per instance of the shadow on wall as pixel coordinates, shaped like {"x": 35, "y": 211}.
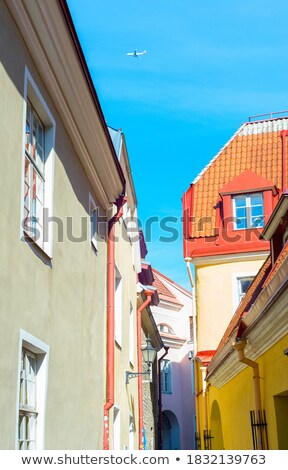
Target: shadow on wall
{"x": 216, "y": 427}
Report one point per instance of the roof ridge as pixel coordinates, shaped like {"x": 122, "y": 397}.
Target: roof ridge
{"x": 218, "y": 154}
{"x": 248, "y": 124}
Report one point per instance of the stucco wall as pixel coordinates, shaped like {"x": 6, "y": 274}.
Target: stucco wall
{"x": 214, "y": 298}
{"x": 126, "y": 397}
{"x": 61, "y": 303}
{"x": 235, "y": 399}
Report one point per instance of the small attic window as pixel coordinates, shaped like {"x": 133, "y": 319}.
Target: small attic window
{"x": 164, "y": 328}
{"x": 248, "y": 211}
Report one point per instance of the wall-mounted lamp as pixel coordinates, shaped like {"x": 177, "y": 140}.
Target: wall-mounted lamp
{"x": 190, "y": 355}
{"x": 148, "y": 356}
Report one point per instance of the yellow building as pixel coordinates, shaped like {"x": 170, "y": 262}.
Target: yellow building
{"x": 247, "y": 379}
{"x": 224, "y": 212}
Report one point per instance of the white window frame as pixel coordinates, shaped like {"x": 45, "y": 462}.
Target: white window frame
{"x": 248, "y": 213}
{"x": 118, "y": 305}
{"x": 116, "y": 428}
{"x": 131, "y": 335}
{"x": 166, "y": 389}
{"x": 93, "y": 215}
{"x": 41, "y": 351}
{"x": 32, "y": 93}
{"x": 235, "y": 286}
{"x": 131, "y": 431}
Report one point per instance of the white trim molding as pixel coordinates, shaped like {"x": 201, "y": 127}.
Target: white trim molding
{"x": 41, "y": 350}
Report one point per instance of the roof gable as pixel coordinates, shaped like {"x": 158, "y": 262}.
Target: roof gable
{"x": 247, "y": 181}
{"x": 256, "y": 147}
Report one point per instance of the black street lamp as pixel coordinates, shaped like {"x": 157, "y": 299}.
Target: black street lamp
{"x": 148, "y": 356}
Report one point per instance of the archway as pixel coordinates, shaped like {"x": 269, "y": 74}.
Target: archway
{"x": 170, "y": 431}
{"x": 216, "y": 427}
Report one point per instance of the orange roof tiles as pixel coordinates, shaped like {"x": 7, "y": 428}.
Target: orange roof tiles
{"x": 256, "y": 146}
{"x": 205, "y": 357}
{"x": 163, "y": 291}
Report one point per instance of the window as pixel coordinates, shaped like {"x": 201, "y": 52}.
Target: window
{"x": 31, "y": 393}
{"x": 27, "y": 402}
{"x": 166, "y": 376}
{"x": 93, "y": 214}
{"x": 243, "y": 284}
{"x": 164, "y": 328}
{"x": 248, "y": 211}
{"x": 118, "y": 307}
{"x": 37, "y": 168}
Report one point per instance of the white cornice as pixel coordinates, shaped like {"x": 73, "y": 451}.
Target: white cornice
{"x": 48, "y": 40}
{"x": 230, "y": 258}
{"x": 266, "y": 324}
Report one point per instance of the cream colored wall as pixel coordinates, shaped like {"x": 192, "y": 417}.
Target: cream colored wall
{"x": 62, "y": 304}
{"x": 126, "y": 397}
{"x": 214, "y": 298}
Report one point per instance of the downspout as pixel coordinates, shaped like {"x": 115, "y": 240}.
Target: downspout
{"x": 111, "y": 317}
{"x": 194, "y": 314}
{"x": 284, "y": 159}
{"x": 194, "y": 317}
{"x": 147, "y": 302}
{"x": 239, "y": 346}
{"x": 160, "y": 442}
{"x": 204, "y": 388}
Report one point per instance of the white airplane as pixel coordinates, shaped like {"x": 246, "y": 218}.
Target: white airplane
{"x": 137, "y": 54}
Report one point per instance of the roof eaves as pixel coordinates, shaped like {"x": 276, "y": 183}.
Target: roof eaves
{"x": 74, "y": 36}
{"x": 275, "y": 218}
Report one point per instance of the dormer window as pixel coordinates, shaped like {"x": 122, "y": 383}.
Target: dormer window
{"x": 248, "y": 211}
{"x": 164, "y": 328}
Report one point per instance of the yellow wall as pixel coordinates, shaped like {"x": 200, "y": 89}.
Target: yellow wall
{"x": 229, "y": 407}
{"x": 214, "y": 298}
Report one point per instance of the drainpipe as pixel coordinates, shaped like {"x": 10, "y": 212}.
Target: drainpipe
{"x": 204, "y": 388}
{"x": 194, "y": 317}
{"x": 239, "y": 346}
{"x": 284, "y": 159}
{"x": 147, "y": 302}
{"x": 111, "y": 317}
{"x": 188, "y": 260}
{"x": 160, "y": 442}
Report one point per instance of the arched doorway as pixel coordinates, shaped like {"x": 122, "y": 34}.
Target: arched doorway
{"x": 216, "y": 427}
{"x": 170, "y": 431}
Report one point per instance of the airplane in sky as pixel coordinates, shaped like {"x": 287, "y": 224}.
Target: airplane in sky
{"x": 137, "y": 54}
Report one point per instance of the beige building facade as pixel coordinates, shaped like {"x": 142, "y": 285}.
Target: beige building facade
{"x": 62, "y": 175}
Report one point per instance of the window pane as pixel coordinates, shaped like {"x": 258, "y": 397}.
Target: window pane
{"x": 240, "y": 201}
{"x": 241, "y": 223}
{"x": 256, "y": 199}
{"x": 257, "y": 221}
{"x": 241, "y": 212}
{"x": 256, "y": 211}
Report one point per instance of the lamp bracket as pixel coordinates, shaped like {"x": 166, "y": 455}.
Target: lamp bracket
{"x": 132, "y": 375}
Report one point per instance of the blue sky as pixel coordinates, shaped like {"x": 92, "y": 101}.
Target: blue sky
{"x": 209, "y": 65}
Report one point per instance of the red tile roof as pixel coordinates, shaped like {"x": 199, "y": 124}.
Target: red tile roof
{"x": 205, "y": 357}
{"x": 157, "y": 273}
{"x": 163, "y": 291}
{"x": 256, "y": 146}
